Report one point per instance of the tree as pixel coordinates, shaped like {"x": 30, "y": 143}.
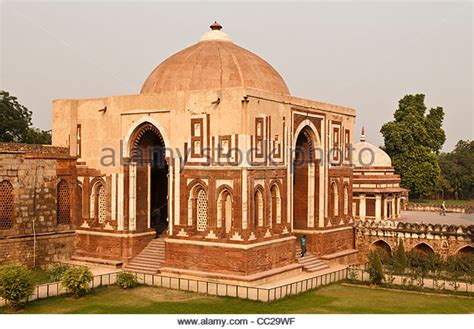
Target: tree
{"x": 374, "y": 268}
{"x": 400, "y": 259}
{"x": 413, "y": 140}
{"x": 457, "y": 169}
{"x": 15, "y": 123}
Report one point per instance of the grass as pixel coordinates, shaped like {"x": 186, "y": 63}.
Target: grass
{"x": 40, "y": 276}
{"x": 328, "y": 300}
{"x": 438, "y": 202}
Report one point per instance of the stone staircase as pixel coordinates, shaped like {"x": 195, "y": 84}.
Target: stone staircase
{"x": 310, "y": 262}
{"x": 149, "y": 260}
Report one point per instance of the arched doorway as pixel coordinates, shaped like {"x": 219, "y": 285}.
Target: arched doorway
{"x": 382, "y": 247}
{"x": 305, "y": 180}
{"x": 423, "y": 248}
{"x": 466, "y": 250}
{"x": 151, "y": 175}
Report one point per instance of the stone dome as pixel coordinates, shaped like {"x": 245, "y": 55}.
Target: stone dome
{"x": 215, "y": 62}
{"x": 368, "y": 155}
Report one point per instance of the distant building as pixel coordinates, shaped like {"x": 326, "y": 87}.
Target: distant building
{"x": 377, "y": 194}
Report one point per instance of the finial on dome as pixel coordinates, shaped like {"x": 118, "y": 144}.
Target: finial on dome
{"x": 215, "y": 26}
{"x": 215, "y": 34}
{"x": 362, "y": 135}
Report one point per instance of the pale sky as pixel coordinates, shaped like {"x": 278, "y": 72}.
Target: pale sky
{"x": 362, "y": 55}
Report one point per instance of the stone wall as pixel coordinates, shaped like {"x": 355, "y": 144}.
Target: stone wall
{"x": 234, "y": 260}
{"x": 437, "y": 208}
{"x": 329, "y": 242}
{"x": 109, "y": 245}
{"x": 34, "y": 171}
{"x": 445, "y": 240}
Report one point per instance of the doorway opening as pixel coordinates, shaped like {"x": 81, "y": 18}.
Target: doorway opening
{"x": 149, "y": 156}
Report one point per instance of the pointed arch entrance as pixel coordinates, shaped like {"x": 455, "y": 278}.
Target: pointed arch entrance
{"x": 149, "y": 169}
{"x": 305, "y": 180}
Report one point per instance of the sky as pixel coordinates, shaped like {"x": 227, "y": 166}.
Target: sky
{"x": 364, "y": 55}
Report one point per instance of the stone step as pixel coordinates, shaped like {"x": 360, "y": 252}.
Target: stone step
{"x": 142, "y": 270}
{"x": 150, "y": 259}
{"x": 152, "y": 256}
{"x": 154, "y": 248}
{"x": 147, "y": 252}
{"x": 147, "y": 262}
{"x": 308, "y": 261}
{"x": 316, "y": 268}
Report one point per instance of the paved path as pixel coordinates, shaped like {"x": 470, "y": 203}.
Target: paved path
{"x": 435, "y": 218}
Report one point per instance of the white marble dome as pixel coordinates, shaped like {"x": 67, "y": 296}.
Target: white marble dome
{"x": 368, "y": 155}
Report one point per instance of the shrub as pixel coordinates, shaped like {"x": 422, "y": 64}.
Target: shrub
{"x": 461, "y": 265}
{"x": 374, "y": 268}
{"x": 400, "y": 260}
{"x": 56, "y": 271}
{"x": 424, "y": 263}
{"x": 126, "y": 280}
{"x": 16, "y": 284}
{"x": 77, "y": 281}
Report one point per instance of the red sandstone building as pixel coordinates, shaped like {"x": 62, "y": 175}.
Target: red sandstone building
{"x": 239, "y": 168}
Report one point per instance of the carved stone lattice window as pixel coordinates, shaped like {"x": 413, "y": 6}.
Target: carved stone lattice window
{"x": 201, "y": 210}
{"x": 63, "y": 211}
{"x": 6, "y": 205}
{"x": 102, "y": 205}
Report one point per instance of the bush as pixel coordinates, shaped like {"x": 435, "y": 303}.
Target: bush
{"x": 77, "y": 281}
{"x": 126, "y": 280}
{"x": 374, "y": 268}
{"x": 56, "y": 271}
{"x": 400, "y": 260}
{"x": 461, "y": 265}
{"x": 424, "y": 263}
{"x": 16, "y": 284}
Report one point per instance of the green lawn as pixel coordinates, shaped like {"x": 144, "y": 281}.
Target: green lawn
{"x": 438, "y": 202}
{"x": 40, "y": 276}
{"x": 331, "y": 299}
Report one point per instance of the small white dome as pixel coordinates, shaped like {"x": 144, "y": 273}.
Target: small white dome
{"x": 215, "y": 34}
{"x": 368, "y": 155}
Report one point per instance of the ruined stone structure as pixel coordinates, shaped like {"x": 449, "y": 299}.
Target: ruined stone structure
{"x": 445, "y": 240}
{"x": 376, "y": 188}
{"x": 37, "y": 188}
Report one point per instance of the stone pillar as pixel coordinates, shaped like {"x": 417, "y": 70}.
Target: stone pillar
{"x": 378, "y": 207}
{"x": 310, "y": 219}
{"x": 393, "y": 209}
{"x": 398, "y": 206}
{"x": 362, "y": 207}
{"x": 132, "y": 208}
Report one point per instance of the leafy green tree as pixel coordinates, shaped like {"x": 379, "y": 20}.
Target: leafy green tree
{"x": 413, "y": 140}
{"x": 15, "y": 123}
{"x": 374, "y": 268}
{"x": 457, "y": 168}
{"x": 400, "y": 259}
{"x": 16, "y": 284}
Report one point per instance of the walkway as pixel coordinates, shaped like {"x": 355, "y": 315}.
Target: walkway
{"x": 435, "y": 218}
